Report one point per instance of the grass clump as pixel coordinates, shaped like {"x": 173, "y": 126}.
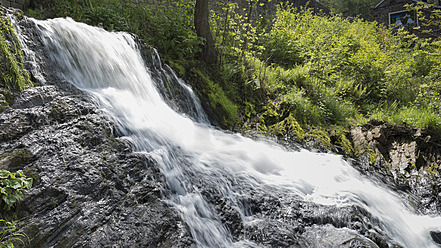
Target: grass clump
{"x": 424, "y": 118}
{"x": 10, "y": 235}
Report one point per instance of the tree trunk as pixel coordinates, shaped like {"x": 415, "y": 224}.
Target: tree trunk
{"x": 202, "y": 26}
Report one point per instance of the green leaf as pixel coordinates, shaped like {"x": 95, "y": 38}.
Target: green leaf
{"x": 10, "y": 200}
{"x": 4, "y": 174}
{"x": 16, "y": 183}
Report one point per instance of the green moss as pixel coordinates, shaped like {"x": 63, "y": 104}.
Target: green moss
{"x": 320, "y": 135}
{"x": 346, "y": 144}
{"x": 3, "y": 103}
{"x": 372, "y": 157}
{"x": 217, "y": 98}
{"x": 178, "y": 67}
{"x": 13, "y": 76}
{"x": 339, "y": 139}
{"x": 289, "y": 126}
{"x": 15, "y": 158}
{"x": 433, "y": 168}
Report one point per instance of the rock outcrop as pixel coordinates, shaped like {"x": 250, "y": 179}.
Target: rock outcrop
{"x": 406, "y": 158}
{"x": 89, "y": 189}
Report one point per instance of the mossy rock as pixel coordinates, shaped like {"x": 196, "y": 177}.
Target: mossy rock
{"x": 214, "y": 97}
{"x": 13, "y": 76}
{"x": 339, "y": 138}
{"x": 288, "y": 127}
{"x": 15, "y": 159}
{"x": 3, "y": 103}
{"x": 178, "y": 66}
{"x": 318, "y": 138}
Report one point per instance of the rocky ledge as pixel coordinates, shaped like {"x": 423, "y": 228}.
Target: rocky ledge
{"x": 407, "y": 159}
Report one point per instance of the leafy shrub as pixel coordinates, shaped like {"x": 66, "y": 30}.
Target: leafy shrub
{"x": 12, "y": 186}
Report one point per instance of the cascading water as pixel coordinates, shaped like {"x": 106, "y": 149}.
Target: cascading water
{"x": 215, "y": 179}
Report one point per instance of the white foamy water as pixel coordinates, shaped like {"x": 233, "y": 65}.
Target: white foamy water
{"x": 109, "y": 67}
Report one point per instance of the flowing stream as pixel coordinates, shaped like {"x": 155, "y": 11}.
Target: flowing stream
{"x": 199, "y": 161}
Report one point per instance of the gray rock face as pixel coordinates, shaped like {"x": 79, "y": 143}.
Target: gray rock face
{"x": 89, "y": 189}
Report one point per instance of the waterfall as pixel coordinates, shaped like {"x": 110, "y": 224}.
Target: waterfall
{"x": 215, "y": 178}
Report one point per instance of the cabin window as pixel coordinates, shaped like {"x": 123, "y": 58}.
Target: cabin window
{"x": 406, "y": 18}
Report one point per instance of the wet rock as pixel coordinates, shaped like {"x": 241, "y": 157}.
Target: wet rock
{"x": 436, "y": 236}
{"x": 329, "y": 236}
{"x": 91, "y": 190}
{"x": 405, "y": 158}
{"x": 3, "y": 103}
{"x": 273, "y": 219}
{"x": 12, "y": 160}
{"x": 172, "y": 89}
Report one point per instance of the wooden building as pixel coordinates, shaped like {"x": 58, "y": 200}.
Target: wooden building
{"x": 394, "y": 14}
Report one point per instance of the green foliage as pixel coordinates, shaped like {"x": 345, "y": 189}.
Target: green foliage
{"x": 9, "y": 234}
{"x": 429, "y": 18}
{"x": 12, "y": 73}
{"x": 12, "y": 186}
{"x": 429, "y": 96}
{"x": 413, "y": 116}
{"x": 335, "y": 49}
{"x": 167, "y": 26}
{"x": 235, "y": 31}
{"x": 217, "y": 98}
{"x": 327, "y": 70}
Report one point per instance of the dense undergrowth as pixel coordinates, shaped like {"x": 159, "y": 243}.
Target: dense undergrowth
{"x": 327, "y": 71}
{"x": 288, "y": 73}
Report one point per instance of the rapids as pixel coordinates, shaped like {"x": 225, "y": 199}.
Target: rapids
{"x": 224, "y": 184}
